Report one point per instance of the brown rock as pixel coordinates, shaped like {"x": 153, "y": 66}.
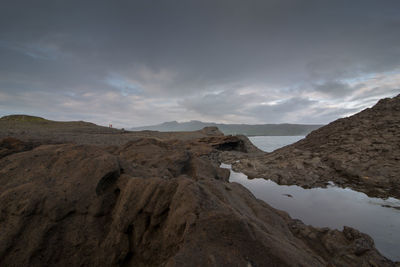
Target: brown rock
{"x": 152, "y": 203}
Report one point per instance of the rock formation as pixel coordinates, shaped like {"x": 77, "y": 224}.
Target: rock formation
{"x": 151, "y": 202}
{"x": 361, "y": 152}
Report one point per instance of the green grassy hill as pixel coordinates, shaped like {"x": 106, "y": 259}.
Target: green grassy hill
{"x": 23, "y": 118}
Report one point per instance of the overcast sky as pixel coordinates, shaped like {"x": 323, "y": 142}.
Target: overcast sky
{"x": 135, "y": 63}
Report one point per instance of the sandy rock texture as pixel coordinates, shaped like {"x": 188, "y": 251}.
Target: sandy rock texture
{"x": 151, "y": 202}
{"x": 361, "y": 152}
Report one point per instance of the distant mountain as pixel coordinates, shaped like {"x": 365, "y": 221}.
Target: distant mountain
{"x": 285, "y": 129}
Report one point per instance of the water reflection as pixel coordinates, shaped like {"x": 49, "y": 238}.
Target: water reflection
{"x": 333, "y": 207}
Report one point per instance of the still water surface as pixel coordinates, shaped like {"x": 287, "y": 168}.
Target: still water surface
{"x": 332, "y": 207}
{"x": 270, "y": 143}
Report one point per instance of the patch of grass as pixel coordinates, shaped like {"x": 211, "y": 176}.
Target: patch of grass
{"x": 23, "y": 118}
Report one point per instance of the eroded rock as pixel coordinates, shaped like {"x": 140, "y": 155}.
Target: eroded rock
{"x": 152, "y": 203}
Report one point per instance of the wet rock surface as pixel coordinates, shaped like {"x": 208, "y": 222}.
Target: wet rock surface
{"x": 152, "y": 202}
{"x": 361, "y": 152}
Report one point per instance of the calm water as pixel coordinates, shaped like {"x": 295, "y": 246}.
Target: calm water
{"x": 270, "y": 143}
{"x": 332, "y": 207}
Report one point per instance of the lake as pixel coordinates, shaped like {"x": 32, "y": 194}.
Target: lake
{"x": 332, "y": 207}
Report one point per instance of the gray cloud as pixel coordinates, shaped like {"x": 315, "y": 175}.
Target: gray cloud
{"x": 335, "y": 88}
{"x": 290, "y": 110}
{"x": 218, "y": 104}
{"x": 216, "y": 60}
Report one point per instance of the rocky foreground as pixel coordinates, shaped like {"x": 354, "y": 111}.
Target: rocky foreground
{"x": 361, "y": 152}
{"x": 151, "y": 201}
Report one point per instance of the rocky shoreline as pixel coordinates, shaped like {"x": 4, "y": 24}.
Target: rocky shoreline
{"x": 361, "y": 152}
{"x": 79, "y": 194}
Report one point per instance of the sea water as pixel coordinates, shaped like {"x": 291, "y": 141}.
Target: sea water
{"x": 270, "y": 143}
{"x": 332, "y": 207}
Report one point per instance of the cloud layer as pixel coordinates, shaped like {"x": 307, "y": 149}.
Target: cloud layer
{"x": 141, "y": 62}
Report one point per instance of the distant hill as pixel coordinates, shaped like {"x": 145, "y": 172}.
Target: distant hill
{"x": 23, "y": 118}
{"x": 245, "y": 129}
